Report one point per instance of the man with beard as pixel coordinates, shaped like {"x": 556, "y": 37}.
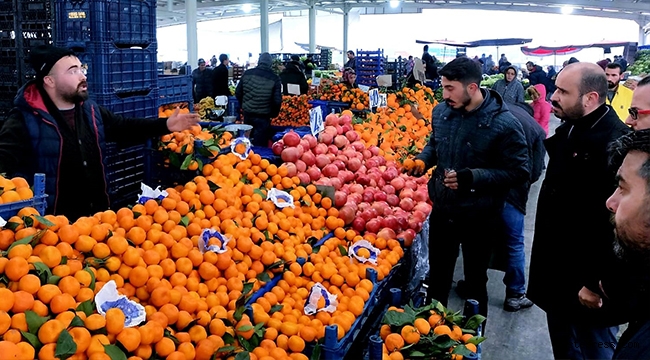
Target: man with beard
{"x": 618, "y": 97}
{"x": 573, "y": 235}
{"x": 480, "y": 153}
{"x": 630, "y": 204}
{"x": 54, "y": 129}
{"x": 639, "y": 110}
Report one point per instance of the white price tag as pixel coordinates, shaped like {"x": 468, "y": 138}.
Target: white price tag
{"x": 364, "y": 88}
{"x": 382, "y": 101}
{"x": 373, "y": 98}
{"x": 293, "y": 89}
{"x": 315, "y": 81}
{"x": 316, "y": 120}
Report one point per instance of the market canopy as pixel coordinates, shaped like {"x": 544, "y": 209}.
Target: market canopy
{"x": 570, "y": 49}
{"x": 477, "y": 43}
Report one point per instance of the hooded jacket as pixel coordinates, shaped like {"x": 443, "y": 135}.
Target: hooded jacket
{"x": 542, "y": 108}
{"x": 621, "y": 101}
{"x": 512, "y": 92}
{"x": 259, "y": 90}
{"x": 489, "y": 143}
{"x": 36, "y": 139}
{"x": 293, "y": 75}
{"x": 537, "y": 76}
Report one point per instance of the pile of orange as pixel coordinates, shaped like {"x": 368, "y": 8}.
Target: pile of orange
{"x": 15, "y": 189}
{"x": 395, "y": 129}
{"x": 334, "y": 91}
{"x": 194, "y": 301}
{"x": 166, "y": 111}
{"x": 294, "y": 111}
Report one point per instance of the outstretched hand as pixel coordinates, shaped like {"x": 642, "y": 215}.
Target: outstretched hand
{"x": 416, "y": 168}
{"x": 180, "y": 122}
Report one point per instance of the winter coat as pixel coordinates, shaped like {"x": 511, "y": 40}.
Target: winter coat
{"x": 259, "y": 92}
{"x": 535, "y": 136}
{"x": 572, "y": 245}
{"x": 292, "y": 75}
{"x": 538, "y": 76}
{"x": 621, "y": 102}
{"x": 36, "y": 139}
{"x": 351, "y": 63}
{"x": 489, "y": 142}
{"x": 542, "y": 108}
{"x": 220, "y": 81}
{"x": 202, "y": 83}
{"x": 511, "y": 92}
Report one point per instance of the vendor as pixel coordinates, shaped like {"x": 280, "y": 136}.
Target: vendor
{"x": 350, "y": 78}
{"x": 509, "y": 87}
{"x": 56, "y": 130}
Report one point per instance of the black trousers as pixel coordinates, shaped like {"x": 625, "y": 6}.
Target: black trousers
{"x": 477, "y": 236}
{"x": 260, "y": 135}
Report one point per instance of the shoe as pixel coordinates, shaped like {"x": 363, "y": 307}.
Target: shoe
{"x": 461, "y": 289}
{"x": 517, "y": 303}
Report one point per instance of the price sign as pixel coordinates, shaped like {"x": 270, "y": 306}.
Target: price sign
{"x": 315, "y": 81}
{"x": 383, "y": 102}
{"x": 316, "y": 120}
{"x": 373, "y": 98}
{"x": 364, "y": 88}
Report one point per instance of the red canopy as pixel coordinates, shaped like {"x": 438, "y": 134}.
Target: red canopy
{"x": 569, "y": 49}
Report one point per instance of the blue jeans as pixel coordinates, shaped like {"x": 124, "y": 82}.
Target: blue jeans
{"x": 580, "y": 342}
{"x": 515, "y": 279}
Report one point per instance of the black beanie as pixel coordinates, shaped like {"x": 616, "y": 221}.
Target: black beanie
{"x": 43, "y": 57}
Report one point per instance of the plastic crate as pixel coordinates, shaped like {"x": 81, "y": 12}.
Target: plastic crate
{"x": 160, "y": 173}
{"x": 112, "y": 69}
{"x": 36, "y": 10}
{"x": 39, "y": 201}
{"x": 7, "y": 94}
{"x": 175, "y": 89}
{"x": 75, "y": 23}
{"x": 125, "y": 170}
{"x": 327, "y": 107}
{"x": 134, "y": 105}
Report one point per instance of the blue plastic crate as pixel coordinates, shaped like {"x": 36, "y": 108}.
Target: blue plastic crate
{"x": 175, "y": 89}
{"x": 125, "y": 171}
{"x": 131, "y": 22}
{"x": 134, "y": 105}
{"x": 327, "y": 107}
{"x": 76, "y": 23}
{"x": 38, "y": 202}
{"x": 112, "y": 69}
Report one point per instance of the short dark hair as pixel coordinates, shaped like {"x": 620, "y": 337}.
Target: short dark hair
{"x": 463, "y": 69}
{"x": 426, "y": 47}
{"x": 634, "y": 141}
{"x": 223, "y": 57}
{"x": 615, "y": 66}
{"x": 593, "y": 80}
{"x": 530, "y": 63}
{"x": 351, "y": 52}
{"x": 644, "y": 82}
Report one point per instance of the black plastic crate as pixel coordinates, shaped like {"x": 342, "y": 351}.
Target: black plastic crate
{"x": 7, "y": 94}
{"x": 35, "y": 10}
{"x": 7, "y": 7}
{"x": 135, "y": 105}
{"x": 8, "y": 59}
{"x": 7, "y": 22}
{"x": 125, "y": 170}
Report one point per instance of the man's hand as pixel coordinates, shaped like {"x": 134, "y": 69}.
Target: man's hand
{"x": 180, "y": 122}
{"x": 451, "y": 179}
{"x": 589, "y": 298}
{"x": 416, "y": 168}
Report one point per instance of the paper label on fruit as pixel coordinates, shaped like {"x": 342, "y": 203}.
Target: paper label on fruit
{"x": 2, "y": 222}
{"x": 204, "y": 241}
{"x": 317, "y": 292}
{"x": 371, "y": 257}
{"x": 280, "y": 198}
{"x": 316, "y": 123}
{"x": 149, "y": 193}
{"x": 108, "y": 298}
{"x": 241, "y": 141}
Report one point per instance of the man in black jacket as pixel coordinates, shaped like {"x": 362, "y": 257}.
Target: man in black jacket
{"x": 54, "y": 129}
{"x": 479, "y": 150}
{"x": 220, "y": 77}
{"x": 261, "y": 98}
{"x": 201, "y": 82}
{"x": 573, "y": 234}
{"x": 630, "y": 204}
{"x": 293, "y": 75}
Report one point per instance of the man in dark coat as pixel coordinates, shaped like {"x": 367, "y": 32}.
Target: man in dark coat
{"x": 261, "y": 98}
{"x": 573, "y": 235}
{"x": 220, "y": 77}
{"x": 55, "y": 129}
{"x": 630, "y": 204}
{"x": 480, "y": 153}
{"x": 293, "y": 75}
{"x": 201, "y": 82}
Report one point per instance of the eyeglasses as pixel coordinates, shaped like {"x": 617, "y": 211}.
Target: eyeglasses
{"x": 74, "y": 71}
{"x": 634, "y": 112}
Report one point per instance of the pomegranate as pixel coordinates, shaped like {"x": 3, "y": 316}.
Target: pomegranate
{"x": 304, "y": 145}
{"x": 339, "y": 164}
{"x": 309, "y": 158}
{"x": 359, "y": 224}
{"x": 291, "y": 138}
{"x": 314, "y": 173}
{"x": 352, "y": 136}
{"x": 330, "y": 171}
{"x": 388, "y": 189}
{"x": 347, "y": 214}
{"x": 331, "y": 119}
{"x": 407, "y": 204}
{"x": 311, "y": 139}
{"x": 292, "y": 169}
{"x": 358, "y": 146}
{"x": 304, "y": 178}
{"x": 325, "y": 138}
{"x": 301, "y": 166}
{"x": 340, "y": 198}
{"x": 380, "y": 196}
{"x": 290, "y": 154}
{"x": 386, "y": 234}
{"x": 322, "y": 161}
{"x": 392, "y": 200}
{"x": 374, "y": 225}
{"x": 335, "y": 182}
{"x": 277, "y": 147}
{"x": 354, "y": 164}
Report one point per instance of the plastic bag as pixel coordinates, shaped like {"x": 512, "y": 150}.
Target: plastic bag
{"x": 149, "y": 193}
{"x": 317, "y": 292}
{"x": 280, "y": 198}
{"x": 204, "y": 241}
{"x": 419, "y": 258}
{"x": 108, "y": 298}
{"x": 247, "y": 149}
{"x": 2, "y": 222}
{"x": 373, "y": 252}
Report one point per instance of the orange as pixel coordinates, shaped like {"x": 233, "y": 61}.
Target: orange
{"x": 9, "y": 350}
{"x": 410, "y": 335}
{"x": 422, "y": 325}
{"x": 62, "y": 302}
{"x": 29, "y": 283}
{"x": 394, "y": 342}
{"x": 23, "y": 301}
{"x": 49, "y": 332}
{"x": 81, "y": 337}
{"x": 114, "y": 321}
{"x": 16, "y": 268}
{"x": 95, "y": 322}
{"x": 164, "y": 347}
{"x": 296, "y": 344}
{"x": 129, "y": 338}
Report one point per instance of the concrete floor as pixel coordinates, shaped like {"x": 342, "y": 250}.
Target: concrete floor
{"x": 523, "y": 334}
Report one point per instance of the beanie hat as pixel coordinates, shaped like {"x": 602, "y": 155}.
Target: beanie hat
{"x": 43, "y": 57}
{"x": 265, "y": 60}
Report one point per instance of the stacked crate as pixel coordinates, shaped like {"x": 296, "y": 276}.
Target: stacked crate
{"x": 115, "y": 41}
{"x": 370, "y": 64}
{"x": 325, "y": 58}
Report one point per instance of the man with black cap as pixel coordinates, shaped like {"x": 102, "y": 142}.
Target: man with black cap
{"x": 261, "y": 98}
{"x": 201, "y": 82}
{"x": 56, "y": 130}
{"x": 220, "y": 77}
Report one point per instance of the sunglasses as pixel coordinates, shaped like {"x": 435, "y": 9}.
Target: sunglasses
{"x": 634, "y": 112}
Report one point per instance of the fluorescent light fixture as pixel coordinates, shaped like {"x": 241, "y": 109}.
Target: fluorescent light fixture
{"x": 566, "y": 10}
{"x": 246, "y": 8}
{"x": 394, "y": 3}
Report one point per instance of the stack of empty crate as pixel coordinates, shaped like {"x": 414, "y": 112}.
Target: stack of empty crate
{"x": 325, "y": 58}
{"x": 370, "y": 64}
{"x": 115, "y": 41}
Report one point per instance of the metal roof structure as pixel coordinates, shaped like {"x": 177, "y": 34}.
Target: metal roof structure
{"x": 172, "y": 12}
